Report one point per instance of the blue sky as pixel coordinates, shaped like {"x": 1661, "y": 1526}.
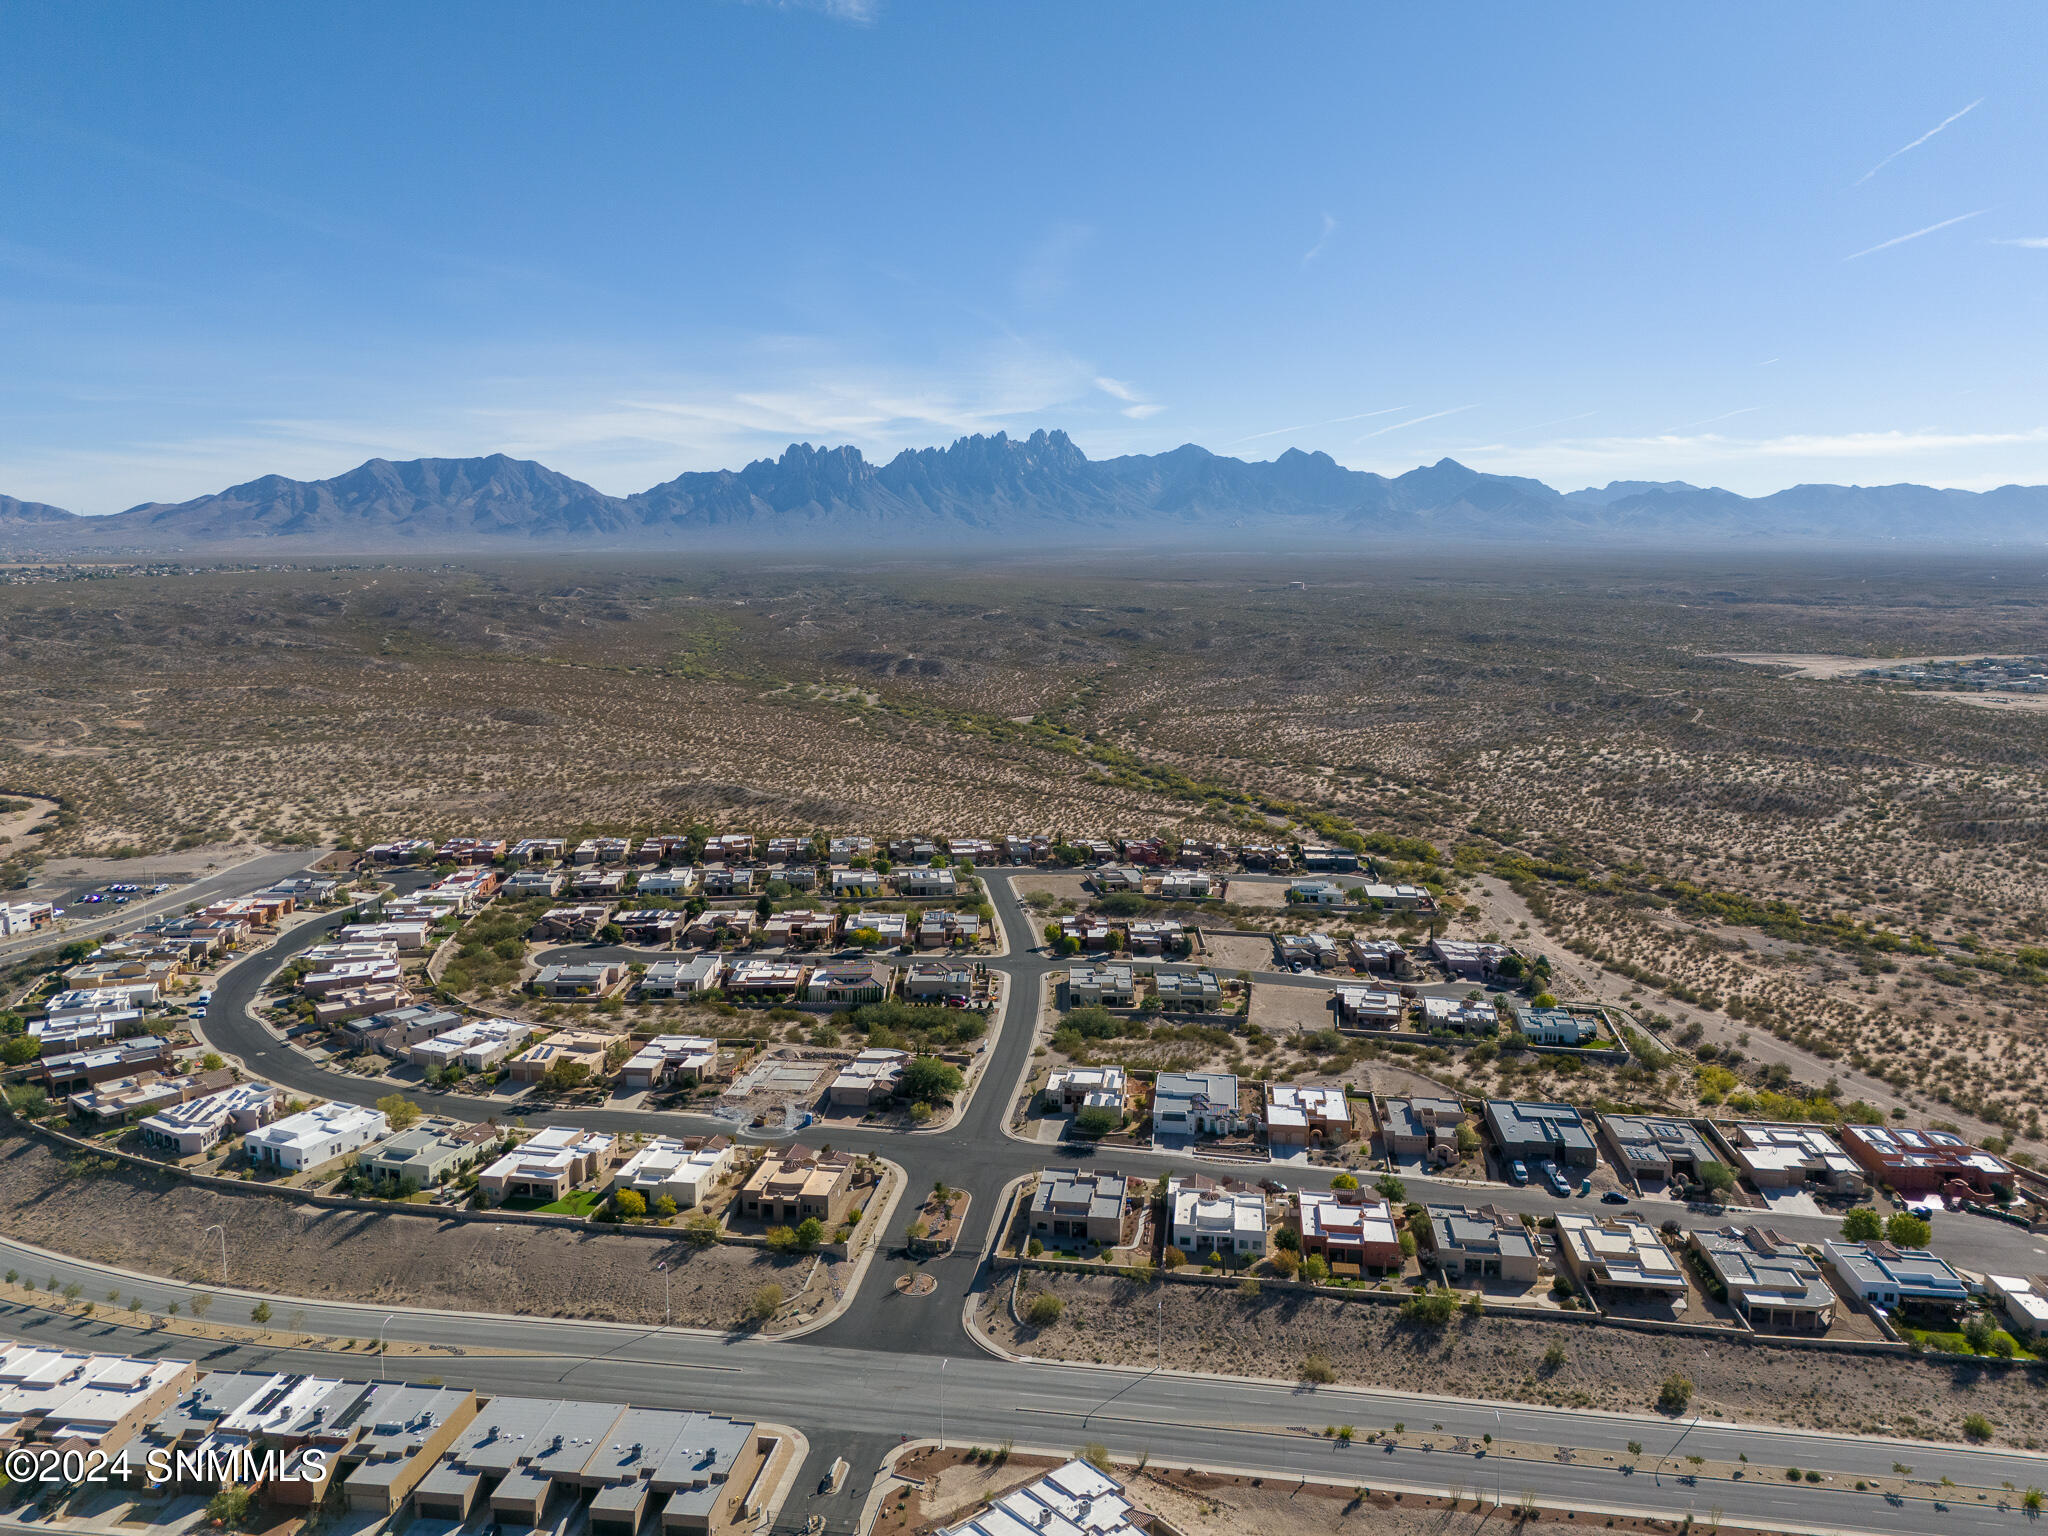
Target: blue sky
{"x": 1582, "y": 243}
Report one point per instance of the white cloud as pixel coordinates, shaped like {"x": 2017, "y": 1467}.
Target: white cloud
{"x": 2031, "y": 242}
{"x": 1415, "y": 421}
{"x": 1136, "y": 406}
{"x": 1885, "y": 245}
{"x": 1930, "y": 133}
{"x": 860, "y": 12}
{"x": 1322, "y": 241}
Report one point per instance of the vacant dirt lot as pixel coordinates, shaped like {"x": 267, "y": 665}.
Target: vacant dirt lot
{"x": 1113, "y": 1321}
{"x": 158, "y": 1226}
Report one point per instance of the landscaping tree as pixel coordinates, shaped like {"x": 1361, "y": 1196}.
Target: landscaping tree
{"x": 1718, "y": 1177}
{"x": 809, "y": 1233}
{"x": 1674, "y": 1395}
{"x": 1096, "y": 1120}
{"x": 260, "y": 1313}
{"x": 1862, "y": 1225}
{"x": 928, "y": 1080}
{"x": 229, "y": 1507}
{"x": 1908, "y": 1230}
{"x": 766, "y": 1303}
{"x": 1344, "y": 1181}
{"x": 700, "y": 1230}
{"x": 664, "y": 1206}
{"x": 1390, "y": 1187}
{"x": 400, "y": 1111}
{"x": 630, "y": 1204}
{"x": 1044, "y": 1309}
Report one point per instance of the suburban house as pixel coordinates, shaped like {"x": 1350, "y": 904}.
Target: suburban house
{"x": 926, "y": 883}
{"x": 667, "y": 882}
{"x": 720, "y": 880}
{"x": 680, "y": 1059}
{"x": 315, "y": 1136}
{"x": 1086, "y": 931}
{"x": 580, "y": 1047}
{"x": 1526, "y": 1132}
{"x": 1108, "y": 986}
{"x": 355, "y": 1002}
{"x": 578, "y": 922}
{"x": 197, "y": 1125}
{"x": 1463, "y": 957}
{"x": 69, "y": 1403}
{"x": 1460, "y": 1016}
{"x": 1886, "y": 1277}
{"x": 477, "y": 1046}
{"x": 1656, "y": 1148}
{"x": 1188, "y": 991}
{"x": 1085, "y": 1203}
{"x": 1327, "y": 856}
{"x": 600, "y": 884}
{"x": 721, "y": 925}
{"x": 1923, "y": 1162}
{"x": 1790, "y": 1156}
{"x": 1399, "y": 898}
{"x": 763, "y": 977}
{"x": 528, "y": 884}
{"x": 649, "y": 927}
{"x": 854, "y": 885}
{"x": 589, "y": 978}
{"x": 682, "y": 978}
{"x": 849, "y": 983}
{"x": 2024, "y": 1306}
{"x": 867, "y": 1079}
{"x": 1074, "y": 1088}
{"x": 1619, "y": 1256}
{"x": 1216, "y": 1218}
{"x": 793, "y": 1184}
{"x": 891, "y": 929}
{"x": 430, "y": 1153}
{"x": 1486, "y": 1244}
{"x": 549, "y": 1165}
{"x": 1350, "y": 1235}
{"x": 537, "y": 850}
{"x": 1299, "y": 1116}
{"x": 798, "y": 927}
{"x": 685, "y": 1168}
{"x": 1186, "y": 887}
{"x": 113, "y": 1100}
{"x": 1556, "y": 1026}
{"x": 1315, "y": 950}
{"x": 936, "y": 981}
{"x": 1196, "y": 1104}
{"x": 1156, "y": 936}
{"x": 1422, "y": 1127}
{"x": 729, "y": 846}
{"x": 400, "y": 1439}
{"x": 406, "y": 938}
{"x": 1112, "y": 880}
{"x": 943, "y": 928}
{"x": 1770, "y": 1279}
{"x": 1369, "y": 1008}
{"x": 396, "y": 1030}
{"x": 69, "y": 1071}
{"x": 1378, "y": 955}
{"x": 342, "y": 975}
{"x": 1316, "y": 893}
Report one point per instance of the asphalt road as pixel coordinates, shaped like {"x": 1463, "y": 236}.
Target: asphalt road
{"x": 865, "y": 1398}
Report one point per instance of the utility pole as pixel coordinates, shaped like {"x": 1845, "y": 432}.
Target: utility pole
{"x": 221, "y": 1228}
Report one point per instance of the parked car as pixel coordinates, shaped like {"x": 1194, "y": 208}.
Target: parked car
{"x": 1560, "y": 1186}
{"x": 1518, "y": 1173}
{"x": 1613, "y": 1197}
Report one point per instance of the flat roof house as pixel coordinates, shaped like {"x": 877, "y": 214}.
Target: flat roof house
{"x": 649, "y": 927}
{"x": 355, "y": 1002}
{"x": 797, "y": 1183}
{"x": 867, "y": 1079}
{"x": 1216, "y": 1218}
{"x": 477, "y": 1045}
{"x": 1109, "y": 986}
{"x": 762, "y": 977}
{"x": 72, "y": 1401}
{"x": 588, "y": 979}
{"x": 854, "y": 884}
{"x": 800, "y": 927}
{"x": 682, "y": 978}
{"x": 1074, "y": 1088}
{"x": 1770, "y": 1279}
{"x": 1377, "y": 955}
{"x": 1540, "y": 1132}
{"x": 1790, "y": 1155}
{"x": 926, "y": 883}
{"x": 1656, "y": 1148}
{"x": 1555, "y": 1026}
{"x": 1188, "y": 991}
{"x": 1619, "y": 1255}
{"x": 685, "y": 1168}
{"x": 683, "y": 1059}
{"x": 1084, "y": 1203}
{"x": 402, "y": 1435}
{"x": 1298, "y": 1116}
{"x": 926, "y": 981}
{"x": 1486, "y": 1244}
{"x": 395, "y": 1031}
{"x": 530, "y": 883}
{"x": 943, "y": 928}
{"x": 1460, "y": 1017}
{"x": 1196, "y": 1104}
{"x": 1887, "y": 1277}
{"x": 1464, "y": 957}
{"x": 1370, "y": 1008}
{"x": 315, "y": 1136}
{"x": 849, "y": 983}
{"x": 892, "y": 928}
{"x": 1316, "y": 893}
{"x": 429, "y": 1153}
{"x": 549, "y": 1165}
{"x": 2025, "y": 1308}
{"x": 580, "y": 1047}
{"x": 1078, "y": 1499}
{"x": 198, "y": 1125}
{"x": 1349, "y": 1234}
{"x": 1422, "y": 1127}
{"x": 1922, "y": 1162}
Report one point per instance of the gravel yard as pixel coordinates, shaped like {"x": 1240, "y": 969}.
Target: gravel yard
{"x": 158, "y": 1225}
{"x": 1113, "y": 1321}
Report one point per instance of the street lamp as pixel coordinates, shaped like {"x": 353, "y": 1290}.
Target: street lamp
{"x": 663, "y": 1267}
{"x": 1657, "y": 1476}
{"x": 1496, "y": 1462}
{"x": 942, "y": 1402}
{"x": 380, "y": 1343}
{"x": 221, "y": 1228}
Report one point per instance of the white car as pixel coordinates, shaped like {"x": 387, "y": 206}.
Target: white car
{"x": 202, "y": 1000}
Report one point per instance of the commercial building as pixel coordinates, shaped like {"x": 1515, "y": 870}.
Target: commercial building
{"x": 1078, "y": 1499}
{"x": 1529, "y": 1132}
{"x": 1083, "y": 1203}
{"x": 315, "y": 1136}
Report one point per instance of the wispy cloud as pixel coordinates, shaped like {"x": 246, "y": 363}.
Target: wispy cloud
{"x": 1136, "y": 406}
{"x": 862, "y": 13}
{"x": 1048, "y": 267}
{"x": 1310, "y": 426}
{"x": 1322, "y": 241}
{"x": 2030, "y": 242}
{"x": 1930, "y": 133}
{"x": 1724, "y": 416}
{"x": 1414, "y": 421}
{"x": 1885, "y": 245}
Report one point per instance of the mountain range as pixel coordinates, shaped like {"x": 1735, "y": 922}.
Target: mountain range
{"x": 990, "y": 489}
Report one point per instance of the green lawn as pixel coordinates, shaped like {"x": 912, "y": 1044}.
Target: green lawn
{"x": 581, "y": 1203}
{"x": 1956, "y": 1344}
